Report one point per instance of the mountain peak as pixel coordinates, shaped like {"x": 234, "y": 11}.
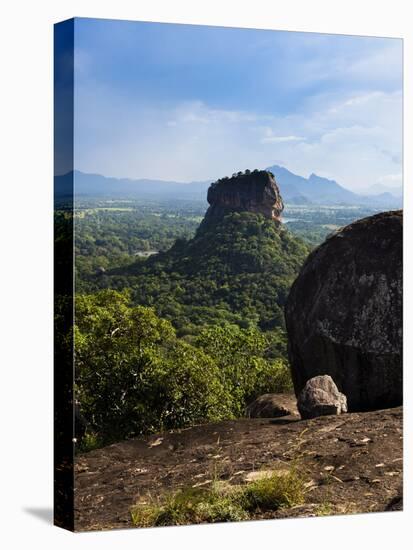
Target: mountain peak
{"x": 314, "y": 177}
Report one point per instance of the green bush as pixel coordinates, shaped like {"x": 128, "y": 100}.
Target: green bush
{"x": 134, "y": 376}
{"x": 245, "y": 369}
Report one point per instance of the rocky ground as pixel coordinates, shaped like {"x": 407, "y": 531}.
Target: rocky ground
{"x": 353, "y": 463}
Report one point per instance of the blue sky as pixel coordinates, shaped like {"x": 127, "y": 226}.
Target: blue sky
{"x": 182, "y": 102}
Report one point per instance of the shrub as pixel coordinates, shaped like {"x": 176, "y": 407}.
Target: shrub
{"x": 245, "y": 371}
{"x": 134, "y": 376}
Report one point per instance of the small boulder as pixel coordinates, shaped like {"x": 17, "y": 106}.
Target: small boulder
{"x": 272, "y": 405}
{"x": 319, "y": 397}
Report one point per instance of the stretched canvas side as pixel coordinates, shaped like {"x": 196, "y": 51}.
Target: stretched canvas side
{"x": 63, "y": 276}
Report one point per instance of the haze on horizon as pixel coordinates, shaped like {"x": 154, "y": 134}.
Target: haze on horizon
{"x": 191, "y": 103}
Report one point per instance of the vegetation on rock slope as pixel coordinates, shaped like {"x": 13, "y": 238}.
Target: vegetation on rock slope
{"x": 237, "y": 271}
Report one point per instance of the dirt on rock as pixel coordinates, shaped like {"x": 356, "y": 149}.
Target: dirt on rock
{"x": 352, "y": 463}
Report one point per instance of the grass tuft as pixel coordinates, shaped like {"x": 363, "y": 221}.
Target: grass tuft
{"x": 218, "y": 504}
{"x": 189, "y": 506}
{"x": 324, "y": 509}
{"x": 274, "y": 492}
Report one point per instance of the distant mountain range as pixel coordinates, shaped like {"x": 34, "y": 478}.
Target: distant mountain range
{"x": 294, "y": 189}
{"x": 317, "y": 190}
{"x": 95, "y": 185}
{"x": 380, "y": 188}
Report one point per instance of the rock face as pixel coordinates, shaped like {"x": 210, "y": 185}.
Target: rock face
{"x": 353, "y": 462}
{"x": 245, "y": 192}
{"x": 320, "y": 397}
{"x": 272, "y": 405}
{"x": 344, "y": 313}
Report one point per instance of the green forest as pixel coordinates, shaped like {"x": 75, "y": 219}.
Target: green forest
{"x": 135, "y": 375}
{"x": 238, "y": 271}
{"x": 177, "y": 323}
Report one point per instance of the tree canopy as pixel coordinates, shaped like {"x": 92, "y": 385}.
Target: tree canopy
{"x": 133, "y": 375}
{"x": 238, "y": 271}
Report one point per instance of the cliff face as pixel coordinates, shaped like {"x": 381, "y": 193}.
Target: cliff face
{"x": 249, "y": 192}
{"x": 344, "y": 313}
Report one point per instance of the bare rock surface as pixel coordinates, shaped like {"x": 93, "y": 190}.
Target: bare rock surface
{"x": 344, "y": 313}
{"x": 272, "y": 405}
{"x": 319, "y": 397}
{"x": 245, "y": 192}
{"x": 353, "y": 463}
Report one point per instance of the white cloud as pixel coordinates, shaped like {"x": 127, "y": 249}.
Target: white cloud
{"x": 314, "y": 60}
{"x": 281, "y": 139}
{"x": 356, "y": 138}
{"x": 355, "y": 101}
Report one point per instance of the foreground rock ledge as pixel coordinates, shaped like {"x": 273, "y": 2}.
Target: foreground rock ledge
{"x": 353, "y": 463}
{"x": 344, "y": 313}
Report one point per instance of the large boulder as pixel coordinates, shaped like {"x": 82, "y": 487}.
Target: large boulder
{"x": 320, "y": 397}
{"x": 344, "y": 313}
{"x": 272, "y": 405}
{"x": 255, "y": 191}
